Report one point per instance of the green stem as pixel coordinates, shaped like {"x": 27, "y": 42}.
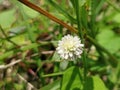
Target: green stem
{"x": 61, "y": 10}
{"x": 85, "y": 64}
{"x": 7, "y": 37}
{"x": 77, "y": 8}
{"x": 81, "y": 35}
{"x": 112, "y": 59}
{"x": 93, "y": 16}
{"x": 102, "y": 56}
{"x": 53, "y": 74}
{"x": 110, "y": 3}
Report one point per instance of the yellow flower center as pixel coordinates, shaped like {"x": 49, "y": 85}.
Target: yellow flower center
{"x": 68, "y": 45}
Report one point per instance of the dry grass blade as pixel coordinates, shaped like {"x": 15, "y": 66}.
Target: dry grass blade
{"x": 9, "y": 65}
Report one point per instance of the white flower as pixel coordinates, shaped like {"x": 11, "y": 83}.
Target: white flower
{"x": 70, "y": 47}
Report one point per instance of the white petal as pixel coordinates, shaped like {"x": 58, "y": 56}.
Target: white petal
{"x": 82, "y": 45}
{"x": 66, "y": 56}
{"x": 60, "y": 51}
{"x": 71, "y": 54}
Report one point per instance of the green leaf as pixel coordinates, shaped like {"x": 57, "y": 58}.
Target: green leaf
{"x": 12, "y": 52}
{"x": 72, "y": 79}
{"x": 56, "y": 57}
{"x": 64, "y": 64}
{"x": 81, "y": 2}
{"x": 7, "y": 18}
{"x": 6, "y": 55}
{"x": 84, "y": 17}
{"x": 30, "y": 12}
{"x": 62, "y": 11}
{"x": 17, "y": 30}
{"x": 53, "y": 86}
{"x": 99, "y": 6}
{"x": 33, "y": 45}
{"x": 109, "y": 40}
{"x": 94, "y": 83}
{"x": 115, "y": 77}
{"x": 18, "y": 86}
{"x": 116, "y": 18}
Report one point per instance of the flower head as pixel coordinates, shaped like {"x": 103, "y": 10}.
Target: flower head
{"x": 70, "y": 47}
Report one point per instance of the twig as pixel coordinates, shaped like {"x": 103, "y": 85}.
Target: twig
{"x": 45, "y": 13}
{"x": 29, "y": 85}
{"x": 9, "y": 65}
